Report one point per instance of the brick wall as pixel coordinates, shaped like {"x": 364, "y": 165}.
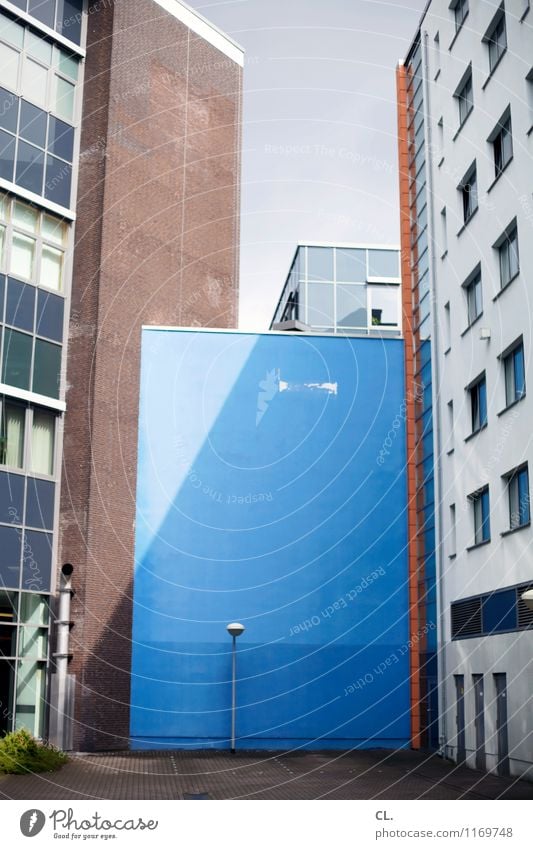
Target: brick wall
{"x": 156, "y": 243}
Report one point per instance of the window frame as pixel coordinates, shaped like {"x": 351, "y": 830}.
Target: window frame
{"x": 460, "y": 9}
{"x": 519, "y": 514}
{"x": 477, "y": 393}
{"x": 505, "y": 249}
{"x": 27, "y": 463}
{"x": 473, "y": 289}
{"x": 41, "y": 243}
{"x": 501, "y": 140}
{"x": 508, "y": 359}
{"x": 480, "y": 500}
{"x": 465, "y": 188}
{"x": 462, "y": 100}
{"x": 496, "y": 48}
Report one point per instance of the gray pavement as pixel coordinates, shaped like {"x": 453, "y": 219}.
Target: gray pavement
{"x": 375, "y": 774}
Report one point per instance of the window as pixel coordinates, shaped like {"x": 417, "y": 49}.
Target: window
{"x": 478, "y": 404}
{"x": 465, "y": 98}
{"x": 40, "y": 79}
{"x": 481, "y": 512}
{"x": 15, "y": 422}
{"x": 320, "y": 305}
{"x": 515, "y": 379}
{"x": 42, "y": 443}
{"x": 508, "y": 255}
{"x": 384, "y": 265}
{"x": 468, "y": 189}
{"x": 474, "y": 298}
{"x": 12, "y": 436}
{"x": 444, "y": 232}
{"x": 502, "y": 145}
{"x": 35, "y": 244}
{"x": 450, "y": 427}
{"x": 447, "y": 327}
{"x": 62, "y": 15}
{"x": 453, "y": 532}
{"x": 352, "y": 306}
{"x": 496, "y": 612}
{"x": 460, "y": 11}
{"x": 518, "y": 494}
{"x": 496, "y": 38}
{"x": 384, "y": 306}
{"x": 436, "y": 42}
{"x": 320, "y": 264}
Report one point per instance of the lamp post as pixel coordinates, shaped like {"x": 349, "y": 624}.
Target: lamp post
{"x": 234, "y": 629}
{"x": 527, "y": 598}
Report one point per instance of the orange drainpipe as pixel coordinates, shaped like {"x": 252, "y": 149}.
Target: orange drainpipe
{"x": 407, "y": 309}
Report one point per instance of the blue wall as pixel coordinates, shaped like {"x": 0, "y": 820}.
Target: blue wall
{"x": 265, "y": 497}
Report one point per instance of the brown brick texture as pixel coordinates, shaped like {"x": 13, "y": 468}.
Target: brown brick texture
{"x": 156, "y": 244}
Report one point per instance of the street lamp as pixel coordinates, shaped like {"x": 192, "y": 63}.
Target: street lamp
{"x": 527, "y": 598}
{"x": 234, "y": 629}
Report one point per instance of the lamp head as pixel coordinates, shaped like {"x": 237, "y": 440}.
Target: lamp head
{"x": 235, "y": 629}
{"x": 527, "y": 598}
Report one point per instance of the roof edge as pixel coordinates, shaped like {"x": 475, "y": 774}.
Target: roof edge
{"x": 204, "y": 28}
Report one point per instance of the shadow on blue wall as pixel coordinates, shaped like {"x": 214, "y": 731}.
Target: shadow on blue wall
{"x": 265, "y": 496}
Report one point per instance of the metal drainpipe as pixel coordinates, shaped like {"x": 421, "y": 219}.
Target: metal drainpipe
{"x": 61, "y": 656}
{"x": 441, "y": 642}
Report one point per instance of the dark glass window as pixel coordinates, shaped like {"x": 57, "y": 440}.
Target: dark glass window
{"x": 47, "y": 368}
{"x": 69, "y": 19}
{"x": 58, "y": 181}
{"x": 497, "y": 42}
{"x": 465, "y": 99}
{"x": 503, "y": 147}
{"x": 20, "y": 305}
{"x": 515, "y": 379}
{"x": 519, "y": 502}
{"x": 11, "y": 498}
{"x": 10, "y": 545}
{"x": 50, "y": 310}
{"x": 32, "y": 124}
{"x": 469, "y": 194}
{"x": 478, "y": 403}
{"x": 30, "y": 167}
{"x": 37, "y": 561}
{"x": 40, "y": 504}
{"x": 61, "y": 139}
{"x": 460, "y": 13}
{"x": 474, "y": 297}
{"x": 481, "y": 505}
{"x": 509, "y": 257}
{"x": 7, "y": 156}
{"x": 499, "y": 612}
{"x": 9, "y": 110}
{"x": 44, "y": 11}
{"x": 16, "y": 364}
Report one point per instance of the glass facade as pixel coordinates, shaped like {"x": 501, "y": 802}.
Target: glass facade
{"x": 343, "y": 290}
{"x": 39, "y": 79}
{"x": 37, "y": 118}
{"x": 423, "y": 381}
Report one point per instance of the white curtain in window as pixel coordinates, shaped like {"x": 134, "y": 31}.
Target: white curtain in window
{"x": 22, "y": 253}
{"x": 42, "y": 443}
{"x": 14, "y": 418}
{"x": 51, "y": 264}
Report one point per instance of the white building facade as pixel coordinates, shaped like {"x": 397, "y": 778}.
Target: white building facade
{"x": 470, "y": 74}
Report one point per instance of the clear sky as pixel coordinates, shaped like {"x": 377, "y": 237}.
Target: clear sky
{"x": 319, "y": 145}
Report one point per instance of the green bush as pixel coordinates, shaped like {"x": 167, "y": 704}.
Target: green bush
{"x": 21, "y": 753}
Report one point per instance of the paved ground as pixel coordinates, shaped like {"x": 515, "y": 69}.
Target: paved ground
{"x": 374, "y": 774}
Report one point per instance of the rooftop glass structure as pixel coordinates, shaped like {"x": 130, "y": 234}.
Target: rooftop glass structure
{"x": 342, "y": 289}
